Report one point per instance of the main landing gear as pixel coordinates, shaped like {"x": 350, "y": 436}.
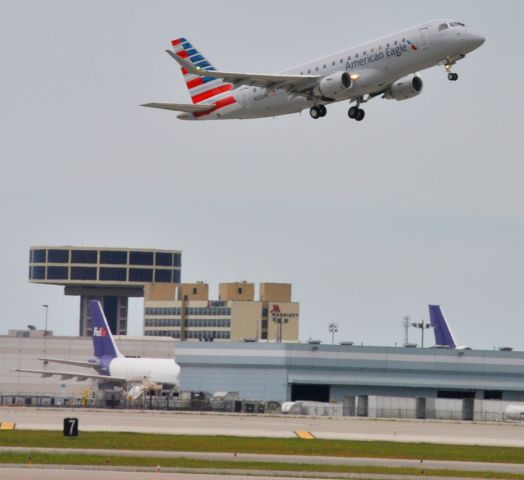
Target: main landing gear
{"x": 318, "y": 111}
{"x": 356, "y": 113}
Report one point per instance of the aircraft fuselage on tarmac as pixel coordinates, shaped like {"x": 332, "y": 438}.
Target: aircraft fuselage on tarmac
{"x": 387, "y": 66}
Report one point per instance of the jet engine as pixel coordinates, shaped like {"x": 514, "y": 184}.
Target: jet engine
{"x": 407, "y": 87}
{"x": 334, "y": 85}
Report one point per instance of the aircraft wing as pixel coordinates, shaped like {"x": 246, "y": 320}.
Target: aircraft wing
{"x": 68, "y": 362}
{"x": 69, "y": 375}
{"x": 180, "y": 107}
{"x": 294, "y": 83}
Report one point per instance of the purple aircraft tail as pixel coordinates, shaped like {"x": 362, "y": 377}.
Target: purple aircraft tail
{"x": 103, "y": 342}
{"x": 443, "y": 335}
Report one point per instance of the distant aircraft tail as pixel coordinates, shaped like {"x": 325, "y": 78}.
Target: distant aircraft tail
{"x": 200, "y": 88}
{"x": 103, "y": 342}
{"x": 443, "y": 335}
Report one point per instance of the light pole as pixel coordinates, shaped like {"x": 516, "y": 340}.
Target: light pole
{"x": 333, "y": 328}
{"x": 422, "y": 327}
{"x": 46, "y": 311}
{"x": 279, "y": 321}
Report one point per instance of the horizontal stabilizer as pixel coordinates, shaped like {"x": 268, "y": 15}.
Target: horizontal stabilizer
{"x": 79, "y": 376}
{"x": 180, "y": 107}
{"x": 68, "y": 362}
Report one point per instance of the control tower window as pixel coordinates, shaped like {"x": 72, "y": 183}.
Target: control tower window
{"x": 83, "y": 273}
{"x": 177, "y": 260}
{"x": 118, "y": 274}
{"x": 84, "y": 256}
{"x": 164, "y": 259}
{"x": 57, "y": 273}
{"x": 140, "y": 274}
{"x": 176, "y": 276}
{"x": 163, "y": 276}
{"x": 141, "y": 258}
{"x": 114, "y": 258}
{"x": 38, "y": 256}
{"x": 37, "y": 273}
{"x": 58, "y": 256}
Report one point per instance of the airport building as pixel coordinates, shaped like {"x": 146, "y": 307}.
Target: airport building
{"x": 110, "y": 275}
{"x": 185, "y": 312}
{"x": 283, "y": 371}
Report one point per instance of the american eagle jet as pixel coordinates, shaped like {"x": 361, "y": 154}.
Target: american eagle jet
{"x": 388, "y": 66}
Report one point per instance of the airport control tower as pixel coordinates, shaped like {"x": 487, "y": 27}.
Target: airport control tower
{"x": 110, "y": 275}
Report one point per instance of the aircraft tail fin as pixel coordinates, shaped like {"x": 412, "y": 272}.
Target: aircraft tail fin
{"x": 443, "y": 335}
{"x": 103, "y": 342}
{"x": 200, "y": 88}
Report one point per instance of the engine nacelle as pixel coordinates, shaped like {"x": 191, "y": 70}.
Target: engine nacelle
{"x": 407, "y": 87}
{"x": 334, "y": 85}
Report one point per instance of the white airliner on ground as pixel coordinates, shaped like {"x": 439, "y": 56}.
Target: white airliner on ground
{"x": 387, "y": 66}
{"x": 140, "y": 374}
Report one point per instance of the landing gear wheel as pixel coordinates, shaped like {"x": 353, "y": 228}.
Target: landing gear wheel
{"x": 323, "y": 110}
{"x": 352, "y": 112}
{"x": 360, "y": 115}
{"x": 315, "y": 112}
{"x": 453, "y": 77}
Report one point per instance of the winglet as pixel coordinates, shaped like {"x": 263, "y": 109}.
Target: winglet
{"x": 103, "y": 342}
{"x": 443, "y": 335}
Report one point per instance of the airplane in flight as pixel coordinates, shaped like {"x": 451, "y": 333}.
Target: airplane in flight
{"x": 388, "y": 66}
{"x": 140, "y": 374}
{"x": 443, "y": 336}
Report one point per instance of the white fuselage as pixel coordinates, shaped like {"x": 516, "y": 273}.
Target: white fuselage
{"x": 154, "y": 370}
{"x": 376, "y": 65}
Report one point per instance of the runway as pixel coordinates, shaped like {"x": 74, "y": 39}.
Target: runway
{"x": 345, "y": 428}
{"x": 53, "y": 473}
{"x": 293, "y": 459}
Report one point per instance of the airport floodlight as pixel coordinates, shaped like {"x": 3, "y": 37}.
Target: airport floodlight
{"x": 422, "y": 325}
{"x": 46, "y": 307}
{"x": 333, "y": 328}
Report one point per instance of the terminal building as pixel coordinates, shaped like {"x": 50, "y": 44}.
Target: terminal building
{"x": 283, "y": 371}
{"x": 185, "y": 312}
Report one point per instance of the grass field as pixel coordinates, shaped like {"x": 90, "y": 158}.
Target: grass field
{"x": 279, "y": 446}
{"x": 218, "y": 466}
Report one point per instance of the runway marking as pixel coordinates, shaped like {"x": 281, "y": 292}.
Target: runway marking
{"x": 304, "y": 435}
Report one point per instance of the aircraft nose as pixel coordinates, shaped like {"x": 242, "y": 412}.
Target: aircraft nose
{"x": 476, "y": 40}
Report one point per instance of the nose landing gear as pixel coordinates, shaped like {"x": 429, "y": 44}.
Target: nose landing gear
{"x": 452, "y": 77}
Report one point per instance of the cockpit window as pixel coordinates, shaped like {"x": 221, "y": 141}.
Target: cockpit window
{"x": 442, "y": 26}
{"x": 456, "y": 24}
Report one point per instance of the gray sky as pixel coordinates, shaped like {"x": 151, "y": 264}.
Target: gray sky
{"x": 421, "y": 203}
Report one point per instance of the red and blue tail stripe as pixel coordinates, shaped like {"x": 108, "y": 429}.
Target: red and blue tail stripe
{"x": 202, "y": 89}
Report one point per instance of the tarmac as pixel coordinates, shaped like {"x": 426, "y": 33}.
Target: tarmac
{"x": 280, "y": 426}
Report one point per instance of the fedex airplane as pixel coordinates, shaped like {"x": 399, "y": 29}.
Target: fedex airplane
{"x": 387, "y": 67}
{"x": 111, "y": 366}
{"x": 443, "y": 335}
